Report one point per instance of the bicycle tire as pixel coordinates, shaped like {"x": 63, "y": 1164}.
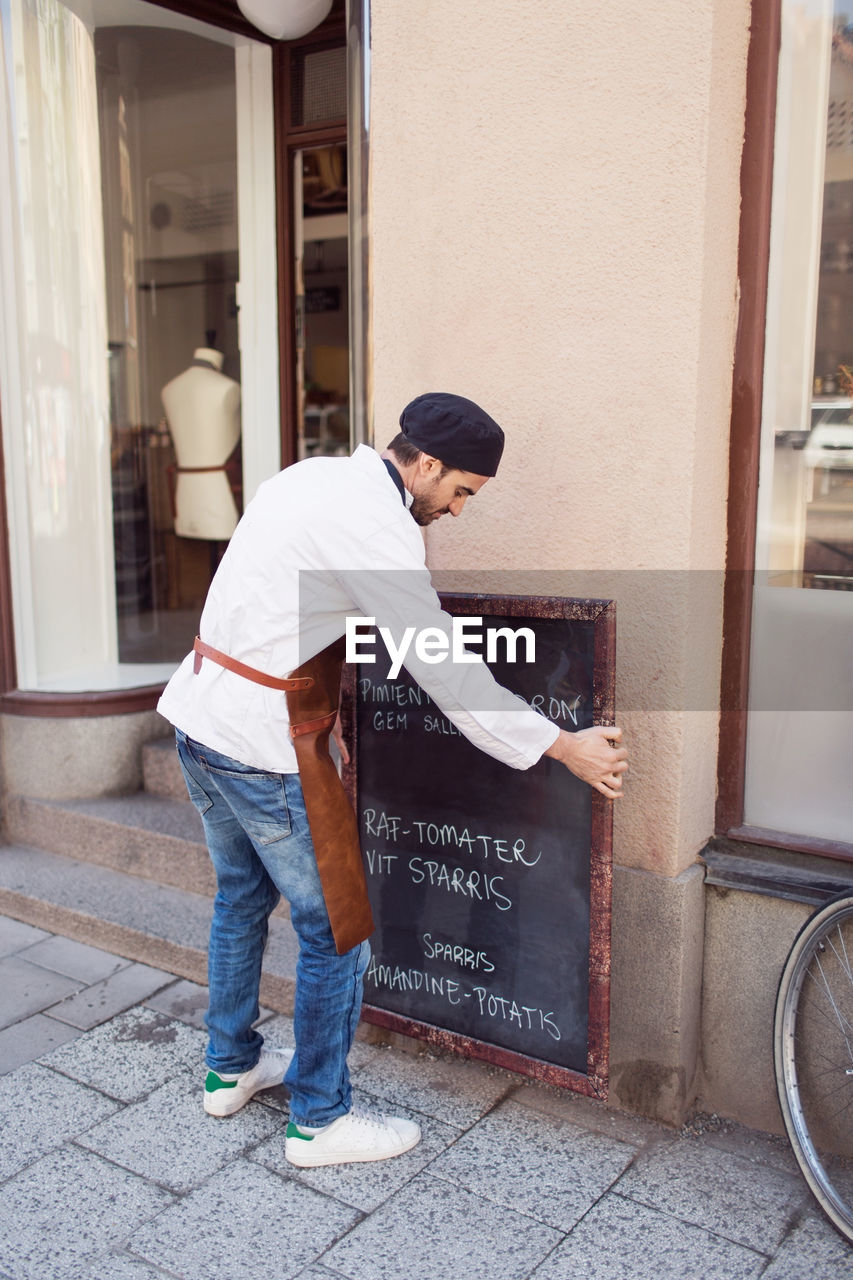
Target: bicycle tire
{"x": 813, "y": 1056}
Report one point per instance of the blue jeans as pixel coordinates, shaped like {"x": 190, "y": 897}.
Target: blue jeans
{"x": 257, "y": 834}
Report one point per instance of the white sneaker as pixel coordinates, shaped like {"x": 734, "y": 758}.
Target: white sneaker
{"x": 226, "y": 1094}
{"x": 353, "y": 1137}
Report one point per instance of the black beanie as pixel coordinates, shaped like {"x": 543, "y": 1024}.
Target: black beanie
{"x": 455, "y": 430}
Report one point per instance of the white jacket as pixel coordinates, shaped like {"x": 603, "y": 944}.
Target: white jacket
{"x": 327, "y": 539}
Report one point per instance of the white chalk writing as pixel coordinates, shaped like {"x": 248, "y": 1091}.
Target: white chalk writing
{"x": 488, "y": 1004}
{"x": 447, "y": 835}
{"x": 465, "y": 957}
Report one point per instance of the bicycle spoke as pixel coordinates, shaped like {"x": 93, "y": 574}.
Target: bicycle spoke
{"x": 845, "y": 963}
{"x": 826, "y": 1098}
{"x": 808, "y": 1074}
{"x": 812, "y": 1054}
{"x": 813, "y": 1031}
{"x": 804, "y": 1036}
{"x": 832, "y": 1001}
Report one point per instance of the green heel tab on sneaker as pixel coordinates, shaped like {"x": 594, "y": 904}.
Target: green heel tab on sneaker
{"x": 293, "y": 1131}
{"x": 214, "y": 1082}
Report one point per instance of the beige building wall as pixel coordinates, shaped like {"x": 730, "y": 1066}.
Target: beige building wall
{"x": 555, "y": 205}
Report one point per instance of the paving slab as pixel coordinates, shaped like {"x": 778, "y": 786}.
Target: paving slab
{"x": 592, "y": 1114}
{"x": 750, "y": 1144}
{"x": 118, "y": 1265}
{"x": 24, "y": 1041}
{"x": 279, "y": 1229}
{"x": 367, "y": 1185}
{"x": 39, "y": 1110}
{"x": 455, "y": 1091}
{"x": 75, "y": 959}
{"x": 133, "y": 1054}
{"x": 814, "y": 1249}
{"x": 749, "y": 1204}
{"x": 15, "y": 935}
{"x": 26, "y": 989}
{"x": 187, "y": 1001}
{"x": 68, "y": 1208}
{"x": 432, "y": 1230}
{"x": 168, "y": 1137}
{"x": 621, "y": 1240}
{"x": 105, "y": 999}
{"x": 599, "y": 1194}
{"x": 547, "y": 1168}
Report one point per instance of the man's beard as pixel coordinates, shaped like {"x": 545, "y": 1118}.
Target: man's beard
{"x": 423, "y": 509}
{"x": 423, "y": 512}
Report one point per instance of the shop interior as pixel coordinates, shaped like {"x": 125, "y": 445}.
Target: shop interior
{"x": 167, "y": 115}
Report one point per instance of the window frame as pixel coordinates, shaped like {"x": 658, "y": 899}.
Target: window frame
{"x": 748, "y": 372}
{"x": 291, "y": 138}
{"x": 220, "y": 13}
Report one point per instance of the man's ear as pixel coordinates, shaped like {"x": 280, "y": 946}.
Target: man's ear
{"x": 428, "y": 465}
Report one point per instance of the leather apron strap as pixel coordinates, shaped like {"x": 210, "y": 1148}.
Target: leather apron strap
{"x": 334, "y": 829}
{"x": 203, "y": 650}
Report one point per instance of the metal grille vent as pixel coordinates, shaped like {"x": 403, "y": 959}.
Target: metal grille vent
{"x": 318, "y": 86}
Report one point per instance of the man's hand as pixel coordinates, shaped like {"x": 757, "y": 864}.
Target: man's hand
{"x": 590, "y": 755}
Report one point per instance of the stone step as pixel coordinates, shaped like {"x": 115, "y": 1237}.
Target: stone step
{"x": 161, "y": 769}
{"x": 150, "y": 836}
{"x": 157, "y": 924}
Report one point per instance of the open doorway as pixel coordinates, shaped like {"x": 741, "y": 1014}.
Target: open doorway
{"x": 322, "y": 272}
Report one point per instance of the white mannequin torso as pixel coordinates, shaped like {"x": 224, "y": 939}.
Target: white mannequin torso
{"x": 203, "y": 413}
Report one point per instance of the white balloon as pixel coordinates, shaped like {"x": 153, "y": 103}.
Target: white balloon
{"x": 285, "y": 19}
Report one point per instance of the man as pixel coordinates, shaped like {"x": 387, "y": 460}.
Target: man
{"x": 324, "y": 540}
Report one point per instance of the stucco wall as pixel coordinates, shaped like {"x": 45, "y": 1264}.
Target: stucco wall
{"x": 555, "y": 202}
{"x": 555, "y": 206}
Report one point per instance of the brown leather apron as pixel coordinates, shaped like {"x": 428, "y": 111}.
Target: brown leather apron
{"x": 313, "y": 693}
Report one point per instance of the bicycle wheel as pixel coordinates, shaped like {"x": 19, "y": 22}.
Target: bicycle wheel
{"x": 813, "y": 1054}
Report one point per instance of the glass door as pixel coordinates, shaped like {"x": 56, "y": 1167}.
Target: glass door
{"x": 142, "y": 233}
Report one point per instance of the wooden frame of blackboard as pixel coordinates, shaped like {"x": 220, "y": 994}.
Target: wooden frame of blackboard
{"x": 594, "y": 1081}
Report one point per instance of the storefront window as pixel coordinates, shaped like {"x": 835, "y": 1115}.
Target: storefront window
{"x": 800, "y": 729}
{"x": 138, "y": 350}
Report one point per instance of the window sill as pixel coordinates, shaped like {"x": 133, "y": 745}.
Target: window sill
{"x": 756, "y": 867}
{"x": 111, "y": 702}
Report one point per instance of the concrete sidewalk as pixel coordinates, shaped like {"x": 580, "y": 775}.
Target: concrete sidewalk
{"x": 110, "y": 1170}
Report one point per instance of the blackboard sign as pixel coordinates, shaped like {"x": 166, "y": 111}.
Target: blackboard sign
{"x": 490, "y": 886}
